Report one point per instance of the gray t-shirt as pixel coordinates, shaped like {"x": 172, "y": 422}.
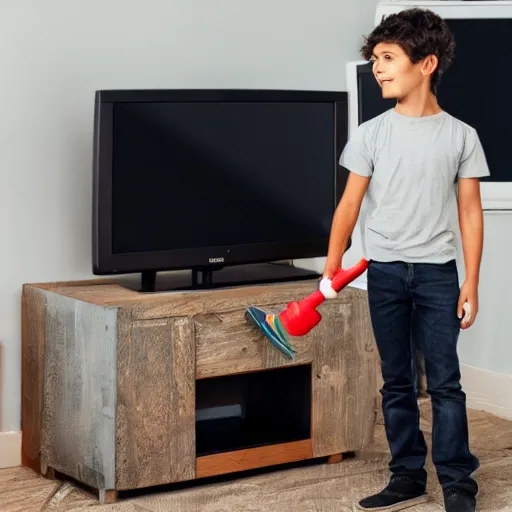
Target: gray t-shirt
{"x": 414, "y": 164}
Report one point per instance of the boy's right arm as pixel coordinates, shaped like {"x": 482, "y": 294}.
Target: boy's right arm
{"x": 344, "y": 221}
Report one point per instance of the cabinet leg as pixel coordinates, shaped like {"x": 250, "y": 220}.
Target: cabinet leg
{"x": 107, "y": 497}
{"x": 338, "y": 457}
{"x": 334, "y": 459}
{"x": 47, "y": 471}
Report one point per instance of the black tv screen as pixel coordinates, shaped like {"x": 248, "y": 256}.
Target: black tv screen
{"x": 476, "y": 89}
{"x": 370, "y": 101}
{"x": 184, "y": 179}
{"x": 220, "y": 174}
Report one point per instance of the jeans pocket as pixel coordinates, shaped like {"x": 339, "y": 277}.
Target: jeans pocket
{"x": 443, "y": 271}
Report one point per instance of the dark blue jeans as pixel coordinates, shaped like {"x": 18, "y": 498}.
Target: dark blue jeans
{"x": 415, "y": 306}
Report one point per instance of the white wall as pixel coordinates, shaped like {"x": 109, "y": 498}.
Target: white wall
{"x": 488, "y": 343}
{"x": 56, "y": 53}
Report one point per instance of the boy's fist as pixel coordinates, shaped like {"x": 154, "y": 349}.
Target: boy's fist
{"x": 467, "y": 308}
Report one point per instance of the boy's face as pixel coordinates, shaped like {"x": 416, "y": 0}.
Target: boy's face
{"x": 395, "y": 72}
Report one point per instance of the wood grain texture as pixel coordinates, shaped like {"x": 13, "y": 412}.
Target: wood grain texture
{"x": 156, "y": 402}
{"x": 329, "y": 393}
{"x": 121, "y": 368}
{"x": 252, "y": 458}
{"x": 181, "y": 303}
{"x": 344, "y": 380}
{"x": 362, "y": 368}
{"x": 227, "y": 344}
{"x": 33, "y": 333}
{"x": 78, "y": 420}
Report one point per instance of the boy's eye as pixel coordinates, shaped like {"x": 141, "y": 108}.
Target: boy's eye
{"x": 373, "y": 60}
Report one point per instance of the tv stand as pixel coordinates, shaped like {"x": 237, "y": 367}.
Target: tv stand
{"x": 125, "y": 390}
{"x": 211, "y": 277}
{"x": 148, "y": 281}
{"x": 202, "y": 277}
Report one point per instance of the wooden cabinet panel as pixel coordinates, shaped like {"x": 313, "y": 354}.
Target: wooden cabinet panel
{"x": 156, "y": 402}
{"x": 227, "y": 344}
{"x": 109, "y": 379}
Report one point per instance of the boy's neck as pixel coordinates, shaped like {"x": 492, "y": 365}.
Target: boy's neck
{"x": 418, "y": 104}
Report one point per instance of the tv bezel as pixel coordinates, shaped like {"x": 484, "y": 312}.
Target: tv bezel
{"x": 105, "y": 262}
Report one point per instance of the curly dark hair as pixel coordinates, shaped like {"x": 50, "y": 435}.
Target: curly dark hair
{"x": 420, "y": 33}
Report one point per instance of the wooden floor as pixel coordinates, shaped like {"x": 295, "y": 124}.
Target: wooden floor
{"x": 313, "y": 488}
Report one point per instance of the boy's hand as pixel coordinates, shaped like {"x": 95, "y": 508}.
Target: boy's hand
{"x": 469, "y": 295}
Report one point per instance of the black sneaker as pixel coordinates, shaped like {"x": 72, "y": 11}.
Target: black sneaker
{"x": 399, "y": 494}
{"x": 459, "y": 500}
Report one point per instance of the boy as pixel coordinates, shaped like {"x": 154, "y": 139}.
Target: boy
{"x": 414, "y": 163}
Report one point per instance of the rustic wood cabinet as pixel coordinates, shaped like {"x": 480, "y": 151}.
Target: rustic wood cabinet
{"x": 110, "y": 379}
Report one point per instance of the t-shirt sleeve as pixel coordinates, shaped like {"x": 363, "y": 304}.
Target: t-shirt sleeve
{"x": 356, "y": 156}
{"x": 473, "y": 162}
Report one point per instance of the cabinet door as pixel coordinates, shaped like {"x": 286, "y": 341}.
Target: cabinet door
{"x": 344, "y": 384}
{"x": 156, "y": 402}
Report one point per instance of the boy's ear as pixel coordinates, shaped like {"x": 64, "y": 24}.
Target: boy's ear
{"x": 429, "y": 65}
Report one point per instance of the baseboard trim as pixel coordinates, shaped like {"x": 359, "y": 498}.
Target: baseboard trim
{"x": 10, "y": 449}
{"x": 487, "y": 391}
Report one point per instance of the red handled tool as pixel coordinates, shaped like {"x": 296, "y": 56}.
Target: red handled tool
{"x": 299, "y": 317}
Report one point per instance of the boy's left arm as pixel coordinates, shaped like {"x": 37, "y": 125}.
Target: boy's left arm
{"x": 471, "y": 226}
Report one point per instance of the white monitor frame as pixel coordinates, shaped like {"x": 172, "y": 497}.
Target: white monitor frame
{"x": 353, "y": 94}
{"x": 495, "y": 196}
{"x": 448, "y": 9}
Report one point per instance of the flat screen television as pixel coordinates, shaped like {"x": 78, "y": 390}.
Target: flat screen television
{"x": 206, "y": 179}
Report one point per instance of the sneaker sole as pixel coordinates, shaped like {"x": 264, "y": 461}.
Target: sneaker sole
{"x": 398, "y": 506}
